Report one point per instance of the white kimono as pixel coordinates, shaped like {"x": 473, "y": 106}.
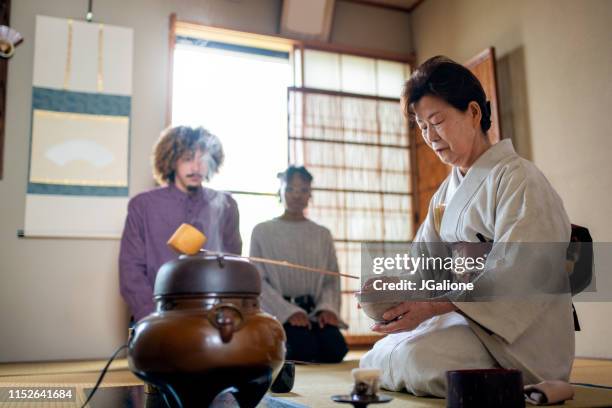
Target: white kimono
{"x": 506, "y": 199}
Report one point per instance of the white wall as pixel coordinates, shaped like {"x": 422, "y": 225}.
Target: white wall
{"x": 58, "y": 297}
{"x": 568, "y": 68}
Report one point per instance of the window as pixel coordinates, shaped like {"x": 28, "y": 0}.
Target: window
{"x": 353, "y": 74}
{"x": 345, "y": 125}
{"x": 353, "y": 138}
{"x": 343, "y": 122}
{"x": 239, "y": 93}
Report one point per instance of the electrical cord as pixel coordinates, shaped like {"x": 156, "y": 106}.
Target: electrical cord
{"x": 102, "y": 374}
{"x": 605, "y": 387}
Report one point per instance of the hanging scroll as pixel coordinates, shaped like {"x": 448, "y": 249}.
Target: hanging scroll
{"x": 79, "y": 141}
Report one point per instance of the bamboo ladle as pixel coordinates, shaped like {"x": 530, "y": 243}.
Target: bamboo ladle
{"x": 189, "y": 240}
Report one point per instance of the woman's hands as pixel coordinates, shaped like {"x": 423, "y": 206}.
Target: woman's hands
{"x": 408, "y": 315}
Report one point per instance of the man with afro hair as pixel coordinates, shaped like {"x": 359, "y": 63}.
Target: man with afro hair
{"x": 183, "y": 158}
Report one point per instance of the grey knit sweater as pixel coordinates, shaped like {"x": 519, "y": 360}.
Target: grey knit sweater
{"x": 301, "y": 242}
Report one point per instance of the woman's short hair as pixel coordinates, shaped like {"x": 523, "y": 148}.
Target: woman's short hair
{"x": 291, "y": 171}
{"x": 446, "y": 79}
{"x": 177, "y": 141}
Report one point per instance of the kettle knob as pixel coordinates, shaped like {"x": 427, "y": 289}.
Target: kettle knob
{"x": 225, "y": 324}
{"x": 226, "y": 318}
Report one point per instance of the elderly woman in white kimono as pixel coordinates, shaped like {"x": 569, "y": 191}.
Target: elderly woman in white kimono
{"x": 491, "y": 194}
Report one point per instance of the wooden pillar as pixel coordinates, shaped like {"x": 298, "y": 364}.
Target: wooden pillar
{"x": 5, "y": 14}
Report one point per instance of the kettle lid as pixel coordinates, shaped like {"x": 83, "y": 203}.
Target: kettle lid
{"x": 200, "y": 274}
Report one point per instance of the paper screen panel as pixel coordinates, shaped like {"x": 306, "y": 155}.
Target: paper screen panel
{"x": 390, "y": 78}
{"x": 358, "y": 75}
{"x": 358, "y": 150}
{"x": 352, "y": 74}
{"x": 321, "y": 70}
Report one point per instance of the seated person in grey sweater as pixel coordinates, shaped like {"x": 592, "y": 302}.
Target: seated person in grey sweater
{"x": 308, "y": 304}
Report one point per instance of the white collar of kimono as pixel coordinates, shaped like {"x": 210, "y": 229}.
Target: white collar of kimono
{"x": 470, "y": 184}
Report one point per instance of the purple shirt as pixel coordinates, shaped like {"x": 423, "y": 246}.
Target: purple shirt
{"x": 152, "y": 218}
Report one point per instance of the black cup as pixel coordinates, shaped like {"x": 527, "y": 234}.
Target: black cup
{"x": 497, "y": 387}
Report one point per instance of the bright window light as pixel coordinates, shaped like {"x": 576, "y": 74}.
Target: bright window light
{"x": 240, "y": 95}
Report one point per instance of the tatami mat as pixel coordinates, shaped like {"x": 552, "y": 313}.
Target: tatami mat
{"x": 314, "y": 383}
{"x": 63, "y": 367}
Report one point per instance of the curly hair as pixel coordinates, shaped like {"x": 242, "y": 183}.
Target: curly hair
{"x": 175, "y": 142}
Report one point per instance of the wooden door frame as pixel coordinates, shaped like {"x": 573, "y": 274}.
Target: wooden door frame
{"x": 484, "y": 55}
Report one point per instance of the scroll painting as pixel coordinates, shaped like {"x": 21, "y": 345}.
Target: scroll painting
{"x": 79, "y": 143}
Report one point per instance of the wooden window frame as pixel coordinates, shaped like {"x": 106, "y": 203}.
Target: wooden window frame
{"x": 196, "y": 30}
{"x": 355, "y": 340}
{"x": 278, "y": 43}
